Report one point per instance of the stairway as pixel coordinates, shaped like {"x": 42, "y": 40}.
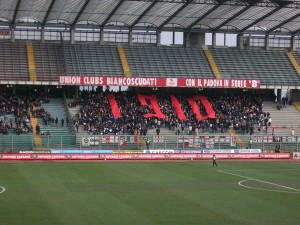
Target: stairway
{"x": 61, "y": 136}
{"x": 31, "y": 62}
{"x": 293, "y": 61}
{"x": 36, "y": 138}
{"x": 124, "y": 61}
{"x": 283, "y": 120}
{"x": 81, "y": 132}
{"x": 213, "y": 64}
{"x": 240, "y": 140}
{"x": 297, "y": 105}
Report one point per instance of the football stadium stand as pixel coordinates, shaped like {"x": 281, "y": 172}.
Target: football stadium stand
{"x": 270, "y": 67}
{"x": 92, "y": 60}
{"x": 13, "y": 61}
{"x": 167, "y": 62}
{"x": 49, "y": 61}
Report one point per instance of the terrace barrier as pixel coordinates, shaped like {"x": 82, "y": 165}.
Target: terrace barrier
{"x": 15, "y": 143}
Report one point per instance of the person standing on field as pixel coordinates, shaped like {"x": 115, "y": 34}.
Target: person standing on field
{"x": 214, "y": 159}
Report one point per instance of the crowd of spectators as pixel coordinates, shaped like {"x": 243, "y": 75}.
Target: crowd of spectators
{"x": 14, "y": 112}
{"x": 241, "y": 111}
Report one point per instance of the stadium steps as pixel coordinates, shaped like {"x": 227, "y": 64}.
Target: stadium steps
{"x": 13, "y": 61}
{"x": 213, "y": 63}
{"x": 81, "y": 132}
{"x": 293, "y": 61}
{"x": 282, "y": 120}
{"x": 165, "y": 61}
{"x": 142, "y": 143}
{"x": 31, "y": 62}
{"x": 92, "y": 60}
{"x": 124, "y": 61}
{"x": 61, "y": 136}
{"x": 49, "y": 61}
{"x": 36, "y": 138}
{"x": 297, "y": 105}
{"x": 240, "y": 141}
{"x": 270, "y": 67}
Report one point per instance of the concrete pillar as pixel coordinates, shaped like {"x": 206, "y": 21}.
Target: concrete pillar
{"x": 173, "y": 35}
{"x": 214, "y": 40}
{"x": 76, "y": 92}
{"x": 267, "y": 42}
{"x": 195, "y": 40}
{"x": 275, "y": 93}
{"x": 42, "y": 34}
{"x": 293, "y": 43}
{"x": 158, "y": 38}
{"x": 72, "y": 36}
{"x": 130, "y": 37}
{"x": 240, "y": 41}
{"x": 12, "y": 34}
{"x": 14, "y": 90}
{"x": 186, "y": 39}
{"x": 101, "y": 36}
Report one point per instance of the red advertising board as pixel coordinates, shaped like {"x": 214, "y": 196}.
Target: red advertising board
{"x": 84, "y": 156}
{"x": 275, "y": 155}
{"x": 15, "y": 156}
{"x": 182, "y": 156}
{"x": 150, "y": 156}
{"x": 50, "y": 156}
{"x": 158, "y": 82}
{"x": 245, "y": 156}
{"x": 219, "y": 156}
{"x": 159, "y": 156}
{"x": 117, "y": 156}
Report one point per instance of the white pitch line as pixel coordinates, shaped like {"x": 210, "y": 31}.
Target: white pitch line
{"x": 3, "y": 189}
{"x": 264, "y": 189}
{"x": 262, "y": 181}
{"x": 264, "y": 170}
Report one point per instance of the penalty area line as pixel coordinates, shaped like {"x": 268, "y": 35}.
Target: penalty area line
{"x": 262, "y": 181}
{"x": 2, "y": 189}
{"x": 264, "y": 189}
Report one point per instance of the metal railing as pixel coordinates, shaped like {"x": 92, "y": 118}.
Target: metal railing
{"x": 15, "y": 143}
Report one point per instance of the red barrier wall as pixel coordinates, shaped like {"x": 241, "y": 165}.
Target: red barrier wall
{"x": 140, "y": 156}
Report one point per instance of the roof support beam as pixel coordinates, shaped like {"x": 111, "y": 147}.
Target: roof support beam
{"x": 175, "y": 13}
{"x": 16, "y": 12}
{"x": 206, "y": 14}
{"x": 143, "y": 14}
{"x": 112, "y": 13}
{"x": 263, "y": 17}
{"x": 234, "y": 16}
{"x": 284, "y": 22}
{"x": 80, "y": 12}
{"x": 48, "y": 12}
{"x": 296, "y": 32}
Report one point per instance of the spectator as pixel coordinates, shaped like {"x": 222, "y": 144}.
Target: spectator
{"x": 250, "y": 143}
{"x": 157, "y": 131}
{"x": 241, "y": 111}
{"x": 38, "y": 129}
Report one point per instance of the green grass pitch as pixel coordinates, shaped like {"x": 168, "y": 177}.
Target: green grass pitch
{"x": 149, "y": 193}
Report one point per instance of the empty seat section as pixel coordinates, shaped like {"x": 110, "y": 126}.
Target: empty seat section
{"x": 93, "y": 60}
{"x": 270, "y": 67}
{"x": 167, "y": 61}
{"x": 13, "y": 61}
{"x": 49, "y": 61}
{"x": 297, "y": 56}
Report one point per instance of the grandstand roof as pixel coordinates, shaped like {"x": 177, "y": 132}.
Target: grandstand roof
{"x": 262, "y": 16}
